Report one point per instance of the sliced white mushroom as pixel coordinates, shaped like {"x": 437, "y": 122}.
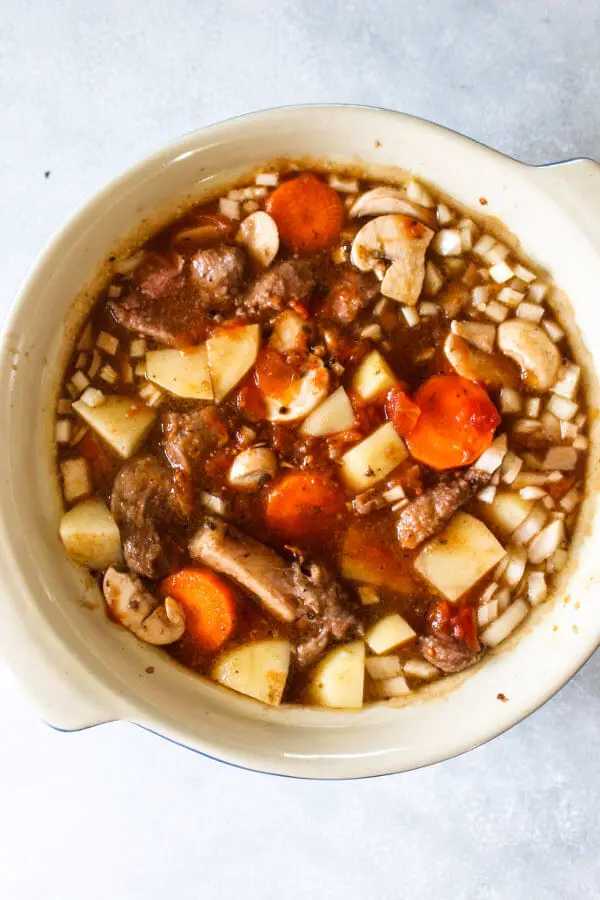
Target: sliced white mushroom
{"x": 258, "y": 232}
{"x": 479, "y": 334}
{"x": 289, "y": 332}
{"x": 140, "y": 612}
{"x": 382, "y": 201}
{"x": 301, "y": 397}
{"x": 532, "y": 349}
{"x": 252, "y": 468}
{"x": 404, "y": 242}
{"x": 476, "y": 365}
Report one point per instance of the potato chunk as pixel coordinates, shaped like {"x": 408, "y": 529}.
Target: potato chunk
{"x": 231, "y": 353}
{"x": 456, "y": 559}
{"x": 373, "y": 377}
{"x": 389, "y": 632}
{"x": 338, "y": 680}
{"x": 90, "y": 535}
{"x": 374, "y": 458}
{"x": 184, "y": 373}
{"x": 259, "y": 670}
{"x": 506, "y": 511}
{"x": 123, "y": 422}
{"x": 333, "y": 415}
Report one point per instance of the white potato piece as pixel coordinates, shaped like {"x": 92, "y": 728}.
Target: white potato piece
{"x": 90, "y": 535}
{"x": 231, "y": 354}
{"x": 373, "y": 377}
{"x": 184, "y": 373}
{"x": 374, "y": 458}
{"x": 333, "y": 415}
{"x": 259, "y": 670}
{"x": 303, "y": 395}
{"x": 259, "y": 234}
{"x": 123, "y": 422}
{"x": 507, "y": 511}
{"x": 389, "y": 632}
{"x": 338, "y": 680}
{"x": 459, "y": 556}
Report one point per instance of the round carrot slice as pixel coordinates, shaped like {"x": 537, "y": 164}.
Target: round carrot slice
{"x": 302, "y": 505}
{"x": 208, "y": 603}
{"x": 308, "y": 213}
{"x": 456, "y": 424}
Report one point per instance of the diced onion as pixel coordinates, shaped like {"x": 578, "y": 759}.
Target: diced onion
{"x": 484, "y": 245}
{"x": 62, "y": 432}
{"x": 511, "y": 401}
{"x": 554, "y": 331}
{"x": 487, "y": 613}
{"x": 447, "y": 242}
{"x": 491, "y": 459}
{"x": 380, "y": 667}
{"x": 427, "y": 308}
{"x": 247, "y": 193}
{"x": 532, "y": 493}
{"x": 516, "y": 566}
{"x": 562, "y": 408}
{"x": 580, "y": 442}
{"x": 394, "y": 494}
{"x": 150, "y": 394}
{"x": 433, "y": 279}
{"x": 76, "y": 478}
{"x": 497, "y": 253}
{"x": 466, "y": 237}
{"x": 480, "y": 296}
{"x": 525, "y": 479}
{"x": 548, "y": 502}
{"x": 568, "y": 431}
{"x": 214, "y": 504}
{"x": 411, "y": 315}
{"x": 107, "y": 342}
{"x": 510, "y": 297}
{"x": 511, "y": 466}
{"x": 570, "y": 500}
{"x": 562, "y": 458}
{"x": 417, "y": 193}
{"x": 229, "y": 208}
{"x": 495, "y": 311}
{"x": 537, "y": 291}
{"x": 108, "y": 374}
{"x": 524, "y": 274}
{"x": 129, "y": 265}
{"x": 555, "y": 476}
{"x": 394, "y": 687}
{"x": 567, "y": 381}
{"x": 499, "y": 630}
{"x": 80, "y": 380}
{"x": 93, "y": 397}
{"x": 526, "y": 426}
{"x": 546, "y": 542}
{"x": 444, "y": 214}
{"x": 488, "y": 593}
{"x": 557, "y": 561}
{"x": 530, "y": 312}
{"x": 550, "y": 424}
{"x": 270, "y": 179}
{"x": 537, "y": 589}
{"x": 531, "y": 526}
{"x": 368, "y": 595}
{"x": 580, "y": 419}
{"x": 502, "y": 596}
{"x": 501, "y": 272}
{"x": 533, "y": 407}
{"x": 372, "y": 331}
{"x": 420, "y": 668}
{"x": 487, "y": 494}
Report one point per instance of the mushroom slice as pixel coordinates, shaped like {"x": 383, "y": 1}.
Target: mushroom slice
{"x": 404, "y": 242}
{"x": 140, "y": 612}
{"x": 492, "y": 369}
{"x": 252, "y": 467}
{"x": 302, "y": 396}
{"x": 382, "y": 201}
{"x": 532, "y": 349}
{"x": 259, "y": 234}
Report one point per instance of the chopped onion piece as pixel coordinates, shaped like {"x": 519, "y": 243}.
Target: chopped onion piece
{"x": 511, "y": 401}
{"x": 140, "y": 370}
{"x": 532, "y": 460}
{"x": 394, "y": 494}
{"x": 62, "y": 431}
{"x": 150, "y": 394}
{"x": 433, "y": 279}
{"x": 495, "y": 311}
{"x": 561, "y": 407}
{"x": 580, "y": 419}
{"x": 554, "y": 331}
{"x": 484, "y": 245}
{"x": 417, "y": 193}
{"x": 530, "y": 312}
{"x": 533, "y": 407}
{"x": 380, "y": 307}
{"x": 444, "y": 214}
{"x": 247, "y": 193}
{"x": 548, "y": 503}
{"x": 229, "y": 208}
{"x": 466, "y": 238}
{"x": 488, "y": 593}
{"x": 76, "y": 478}
{"x": 394, "y": 687}
{"x": 250, "y": 206}
{"x": 368, "y": 595}
{"x": 499, "y": 630}
{"x": 511, "y": 466}
{"x": 537, "y": 292}
{"x": 72, "y": 390}
{"x": 524, "y": 274}
{"x": 454, "y": 264}
{"x": 214, "y": 504}
{"x": 568, "y": 380}
{"x": 93, "y": 397}
{"x": 531, "y": 526}
{"x": 553, "y": 477}
{"x": 420, "y": 668}
{"x": 502, "y": 596}
{"x": 372, "y": 331}
{"x": 551, "y": 425}
{"x": 343, "y": 185}
{"x": 526, "y": 426}
{"x": 114, "y": 291}
{"x": 537, "y": 589}
{"x": 268, "y": 179}
{"x": 95, "y": 364}
{"x": 427, "y": 308}
{"x": 480, "y": 296}
{"x": 547, "y": 541}
{"x": 380, "y": 667}
{"x": 568, "y": 431}
{"x": 580, "y": 442}
{"x": 108, "y": 374}
{"x": 562, "y": 458}
{"x": 557, "y": 561}
{"x": 497, "y": 253}
{"x": 516, "y": 566}
{"x": 501, "y": 272}
{"x": 487, "y": 494}
{"x": 510, "y": 297}
{"x": 64, "y": 406}
{"x": 411, "y": 315}
{"x": 491, "y": 459}
{"x": 81, "y": 361}
{"x": 531, "y": 492}
{"x": 487, "y": 613}
{"x": 80, "y": 381}
{"x": 129, "y": 265}
{"x": 107, "y": 342}
{"x": 570, "y": 500}
{"x": 447, "y": 242}
{"x": 501, "y": 568}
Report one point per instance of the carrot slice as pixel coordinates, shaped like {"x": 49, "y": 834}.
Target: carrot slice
{"x": 308, "y": 213}
{"x": 456, "y": 424}
{"x": 304, "y": 505}
{"x": 208, "y": 603}
{"x": 401, "y": 411}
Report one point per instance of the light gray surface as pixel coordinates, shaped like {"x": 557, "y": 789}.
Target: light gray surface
{"x": 87, "y": 88}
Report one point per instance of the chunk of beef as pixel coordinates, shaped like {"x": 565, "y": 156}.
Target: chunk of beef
{"x": 145, "y": 500}
{"x": 350, "y": 293}
{"x": 217, "y": 273}
{"x": 314, "y": 601}
{"x": 427, "y": 514}
{"x": 285, "y": 281}
{"x": 158, "y": 274}
{"x": 189, "y": 437}
{"x": 447, "y": 654}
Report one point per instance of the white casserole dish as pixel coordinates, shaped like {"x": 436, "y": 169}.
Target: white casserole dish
{"x": 77, "y": 668}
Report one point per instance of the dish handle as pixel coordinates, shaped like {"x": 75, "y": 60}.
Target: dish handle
{"x": 575, "y": 184}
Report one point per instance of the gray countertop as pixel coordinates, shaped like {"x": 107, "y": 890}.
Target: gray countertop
{"x": 85, "y": 89}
